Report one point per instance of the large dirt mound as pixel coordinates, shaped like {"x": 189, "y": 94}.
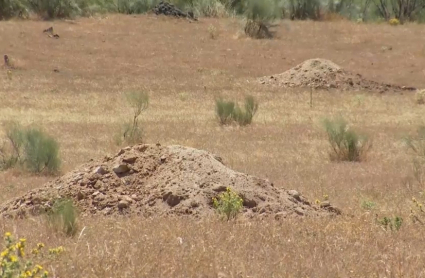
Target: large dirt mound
{"x": 324, "y": 74}
{"x": 151, "y": 180}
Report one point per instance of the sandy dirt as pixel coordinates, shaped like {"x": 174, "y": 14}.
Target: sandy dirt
{"x": 325, "y": 74}
{"x": 155, "y": 180}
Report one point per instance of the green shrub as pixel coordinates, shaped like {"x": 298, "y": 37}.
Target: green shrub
{"x": 224, "y": 110}
{"x": 210, "y": 8}
{"x": 228, "y": 204}
{"x": 41, "y": 151}
{"x": 304, "y": 9}
{"x": 63, "y": 216}
{"x": 51, "y": 9}
{"x": 244, "y": 116}
{"x": 229, "y": 111}
{"x": 259, "y": 13}
{"x": 131, "y": 131}
{"x": 12, "y": 8}
{"x": 135, "y": 6}
{"x": 346, "y": 144}
{"x": 31, "y": 148}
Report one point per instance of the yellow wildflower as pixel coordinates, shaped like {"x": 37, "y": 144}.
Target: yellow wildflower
{"x": 4, "y": 253}
{"x": 13, "y": 259}
{"x": 7, "y": 234}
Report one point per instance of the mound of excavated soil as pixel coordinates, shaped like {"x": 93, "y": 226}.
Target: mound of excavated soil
{"x": 324, "y": 74}
{"x": 150, "y": 180}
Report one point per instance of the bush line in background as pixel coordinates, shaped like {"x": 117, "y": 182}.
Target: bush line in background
{"x": 360, "y": 10}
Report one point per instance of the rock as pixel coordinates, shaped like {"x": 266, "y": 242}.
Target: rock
{"x": 325, "y": 204}
{"x": 249, "y": 203}
{"x": 80, "y": 195}
{"x": 130, "y": 159}
{"x": 299, "y": 211}
{"x": 168, "y": 9}
{"x": 163, "y": 159}
{"x": 280, "y": 215}
{"x": 219, "y": 188}
{"x": 100, "y": 170}
{"x": 173, "y": 200}
{"x": 121, "y": 168}
{"x": 123, "y": 204}
{"x": 294, "y": 194}
{"x": 127, "y": 198}
{"x": 98, "y": 185}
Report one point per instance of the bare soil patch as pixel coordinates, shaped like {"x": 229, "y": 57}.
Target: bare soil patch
{"x": 151, "y": 180}
{"x": 325, "y": 74}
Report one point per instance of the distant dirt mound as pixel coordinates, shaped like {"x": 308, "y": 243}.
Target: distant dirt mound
{"x": 164, "y": 8}
{"x": 324, "y": 74}
{"x": 151, "y": 180}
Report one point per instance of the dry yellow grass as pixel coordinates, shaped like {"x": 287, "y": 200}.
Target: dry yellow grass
{"x": 82, "y": 105}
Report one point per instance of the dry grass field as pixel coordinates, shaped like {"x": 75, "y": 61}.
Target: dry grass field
{"x": 82, "y": 104}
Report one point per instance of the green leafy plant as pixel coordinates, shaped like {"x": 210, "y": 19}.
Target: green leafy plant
{"x": 346, "y": 144}
{"x": 132, "y": 132}
{"x": 228, "y": 204}
{"x": 63, "y": 216}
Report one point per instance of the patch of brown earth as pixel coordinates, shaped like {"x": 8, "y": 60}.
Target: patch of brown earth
{"x": 155, "y": 180}
{"x": 324, "y": 74}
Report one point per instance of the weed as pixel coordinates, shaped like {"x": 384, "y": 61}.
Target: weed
{"x": 228, "y": 204}
{"x": 368, "y": 205}
{"x": 224, "y": 110}
{"x": 210, "y": 8}
{"x": 229, "y": 111}
{"x": 14, "y": 262}
{"x": 417, "y": 145}
{"x": 346, "y": 144}
{"x": 420, "y": 97}
{"x": 394, "y": 22}
{"x": 41, "y": 151}
{"x": 212, "y": 31}
{"x": 132, "y": 131}
{"x": 391, "y": 223}
{"x": 29, "y": 147}
{"x": 63, "y": 216}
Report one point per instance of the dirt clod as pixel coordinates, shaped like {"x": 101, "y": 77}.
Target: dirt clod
{"x": 324, "y": 74}
{"x": 184, "y": 185}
